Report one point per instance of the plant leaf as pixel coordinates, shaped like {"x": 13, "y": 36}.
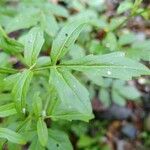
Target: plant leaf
{"x": 9, "y": 45}
{"x": 5, "y": 70}
{"x": 42, "y": 132}
{"x": 20, "y": 89}
{"x": 116, "y": 22}
{"x": 56, "y": 9}
{"x": 27, "y": 18}
{"x": 36, "y": 145}
{"x": 129, "y": 92}
{"x": 58, "y": 140}
{"x": 111, "y": 41}
{"x": 74, "y": 98}
{"x": 37, "y": 104}
{"x": 4, "y": 59}
{"x": 33, "y": 42}
{"x": 76, "y": 51}
{"x": 11, "y": 136}
{"x": 117, "y": 98}
{"x": 113, "y": 65}
{"x": 43, "y": 61}
{"x": 95, "y": 78}
{"x": 135, "y": 6}
{"x": 140, "y": 50}
{"x": 7, "y": 110}
{"x": 49, "y": 24}
{"x": 104, "y": 97}
{"x": 124, "y": 6}
{"x": 127, "y": 38}
{"x": 65, "y": 39}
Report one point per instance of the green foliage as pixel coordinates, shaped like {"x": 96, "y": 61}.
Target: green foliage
{"x": 119, "y": 93}
{"x": 20, "y": 89}
{"x": 32, "y": 42}
{"x": 58, "y": 140}
{"x": 113, "y": 65}
{"x": 41, "y": 78}
{"x": 124, "y": 6}
{"x": 68, "y": 87}
{"x": 42, "y": 132}
{"x": 7, "y": 110}
{"x": 11, "y": 136}
{"x": 65, "y": 39}
{"x": 9, "y": 45}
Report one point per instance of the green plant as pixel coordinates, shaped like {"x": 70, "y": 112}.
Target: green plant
{"x": 44, "y": 88}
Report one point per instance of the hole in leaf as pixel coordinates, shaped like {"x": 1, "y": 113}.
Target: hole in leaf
{"x": 66, "y": 34}
{"x": 57, "y": 145}
{"x": 58, "y": 62}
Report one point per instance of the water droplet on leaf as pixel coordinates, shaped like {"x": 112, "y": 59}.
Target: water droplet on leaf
{"x": 24, "y": 110}
{"x": 109, "y": 72}
{"x": 43, "y": 113}
{"x": 141, "y": 81}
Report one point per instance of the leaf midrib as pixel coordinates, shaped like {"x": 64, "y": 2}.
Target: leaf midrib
{"x": 72, "y": 66}
{"x": 63, "y": 45}
{"x": 62, "y": 76}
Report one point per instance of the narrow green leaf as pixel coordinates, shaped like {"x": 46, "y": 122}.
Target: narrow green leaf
{"x": 113, "y": 65}
{"x": 7, "y": 110}
{"x": 27, "y": 18}
{"x": 129, "y": 92}
{"x": 11, "y": 136}
{"x": 117, "y": 98}
{"x": 20, "y": 89}
{"x": 127, "y": 38}
{"x": 140, "y": 50}
{"x": 136, "y": 6}
{"x": 9, "y": 45}
{"x": 11, "y": 80}
{"x": 104, "y": 97}
{"x": 33, "y": 42}
{"x": 65, "y": 39}
{"x": 57, "y": 9}
{"x": 74, "y": 101}
{"x": 86, "y": 15}
{"x": 5, "y": 97}
{"x": 111, "y": 41}
{"x": 42, "y": 132}
{"x": 138, "y": 53}
{"x": 4, "y": 59}
{"x": 49, "y": 24}
{"x": 43, "y": 61}
{"x": 5, "y": 70}
{"x": 58, "y": 140}
{"x": 35, "y": 145}
{"x": 124, "y": 6}
{"x": 37, "y": 104}
{"x": 116, "y": 22}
